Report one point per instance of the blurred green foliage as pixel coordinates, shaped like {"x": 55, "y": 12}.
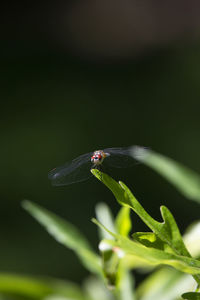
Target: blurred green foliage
{"x": 119, "y": 253}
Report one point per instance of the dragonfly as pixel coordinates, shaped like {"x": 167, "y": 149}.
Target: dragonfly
{"x": 79, "y": 168}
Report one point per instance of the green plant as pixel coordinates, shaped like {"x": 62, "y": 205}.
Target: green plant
{"x": 172, "y": 260}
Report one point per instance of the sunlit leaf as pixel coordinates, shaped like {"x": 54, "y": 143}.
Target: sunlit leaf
{"x": 123, "y": 221}
{"x": 172, "y": 283}
{"x": 133, "y": 250}
{"x": 104, "y": 216}
{"x": 167, "y": 230}
{"x": 151, "y": 240}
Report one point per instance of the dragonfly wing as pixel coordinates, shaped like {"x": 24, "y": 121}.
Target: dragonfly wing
{"x": 119, "y": 157}
{"x": 75, "y": 171}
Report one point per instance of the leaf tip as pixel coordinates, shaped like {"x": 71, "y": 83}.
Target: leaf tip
{"x": 121, "y": 184}
{"x": 96, "y": 173}
{"x": 94, "y": 221}
{"x": 25, "y": 204}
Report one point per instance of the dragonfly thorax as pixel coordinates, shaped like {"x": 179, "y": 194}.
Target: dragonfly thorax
{"x": 98, "y": 157}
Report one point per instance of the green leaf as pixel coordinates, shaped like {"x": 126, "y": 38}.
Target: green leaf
{"x": 155, "y": 257}
{"x": 172, "y": 284}
{"x": 110, "y": 259}
{"x": 123, "y": 221}
{"x": 127, "y": 283}
{"x": 184, "y": 179}
{"x": 167, "y": 231}
{"x": 191, "y": 296}
{"x": 57, "y": 297}
{"x": 105, "y": 216}
{"x": 25, "y": 286}
{"x": 66, "y": 234}
{"x": 96, "y": 289}
{"x": 110, "y": 267}
{"x": 151, "y": 240}
{"x": 191, "y": 239}
{"x": 29, "y": 287}
{"x": 130, "y": 251}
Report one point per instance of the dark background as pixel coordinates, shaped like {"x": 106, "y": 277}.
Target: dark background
{"x": 78, "y": 76}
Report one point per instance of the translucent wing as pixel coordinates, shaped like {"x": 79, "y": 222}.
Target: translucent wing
{"x": 75, "y": 171}
{"x": 119, "y": 157}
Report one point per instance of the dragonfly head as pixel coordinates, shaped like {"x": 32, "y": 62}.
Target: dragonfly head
{"x": 98, "y": 157}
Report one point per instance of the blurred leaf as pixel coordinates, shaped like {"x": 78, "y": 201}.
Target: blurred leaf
{"x": 96, "y": 289}
{"x": 66, "y": 234}
{"x": 127, "y": 287}
{"x": 70, "y": 290}
{"x": 105, "y": 216}
{"x": 27, "y": 287}
{"x": 172, "y": 284}
{"x": 60, "y": 297}
{"x": 123, "y": 221}
{"x": 192, "y": 238}
{"x": 191, "y": 296}
{"x": 118, "y": 278}
{"x": 184, "y": 179}
{"x": 110, "y": 261}
{"x": 57, "y": 297}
